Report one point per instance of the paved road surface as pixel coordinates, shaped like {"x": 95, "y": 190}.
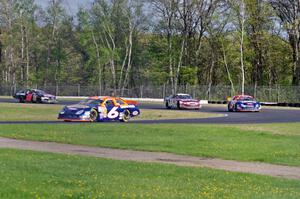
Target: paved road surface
{"x": 267, "y": 115}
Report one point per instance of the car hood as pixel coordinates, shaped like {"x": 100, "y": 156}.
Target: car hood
{"x": 48, "y": 95}
{"x": 189, "y": 100}
{"x": 77, "y": 107}
{"x": 250, "y": 102}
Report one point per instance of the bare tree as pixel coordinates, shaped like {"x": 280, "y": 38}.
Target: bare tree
{"x": 166, "y": 10}
{"x": 54, "y": 18}
{"x": 239, "y": 9}
{"x": 8, "y": 18}
{"x": 133, "y": 13}
{"x": 289, "y": 13}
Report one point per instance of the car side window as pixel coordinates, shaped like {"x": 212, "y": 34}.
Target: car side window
{"x": 109, "y": 103}
{"x": 120, "y": 102}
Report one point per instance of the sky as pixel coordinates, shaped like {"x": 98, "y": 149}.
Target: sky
{"x": 71, "y": 6}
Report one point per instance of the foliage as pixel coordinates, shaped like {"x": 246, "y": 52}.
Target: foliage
{"x": 127, "y": 43}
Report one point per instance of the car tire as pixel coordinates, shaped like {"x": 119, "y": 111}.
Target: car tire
{"x": 21, "y": 100}
{"x": 39, "y": 100}
{"x": 125, "y": 116}
{"x": 167, "y": 105}
{"x": 34, "y": 99}
{"x": 235, "y": 108}
{"x": 229, "y": 109}
{"x": 178, "y": 105}
{"x": 93, "y": 115}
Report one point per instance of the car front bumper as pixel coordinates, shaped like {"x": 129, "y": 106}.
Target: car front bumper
{"x": 73, "y": 118}
{"x": 49, "y": 101}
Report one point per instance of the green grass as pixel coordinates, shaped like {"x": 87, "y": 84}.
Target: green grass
{"x": 25, "y": 174}
{"x": 276, "y": 129}
{"x": 197, "y": 140}
{"x": 28, "y": 112}
{"x": 41, "y": 112}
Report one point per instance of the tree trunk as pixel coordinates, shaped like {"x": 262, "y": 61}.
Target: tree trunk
{"x": 227, "y": 69}
{"x": 242, "y": 45}
{"x": 179, "y": 64}
{"x": 211, "y": 70}
{"x": 126, "y": 79}
{"x": 170, "y": 46}
{"x": 27, "y": 59}
{"x": 296, "y": 63}
{"x": 22, "y": 53}
{"x": 112, "y": 48}
{"x": 296, "y": 35}
{"x": 99, "y": 64}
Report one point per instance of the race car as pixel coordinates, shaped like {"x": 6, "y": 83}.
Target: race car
{"x": 97, "y": 109}
{"x": 244, "y": 103}
{"x": 182, "y": 101}
{"x": 34, "y": 96}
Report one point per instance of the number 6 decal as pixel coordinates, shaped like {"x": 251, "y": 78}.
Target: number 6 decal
{"x": 113, "y": 113}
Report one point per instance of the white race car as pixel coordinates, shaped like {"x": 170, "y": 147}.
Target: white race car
{"x": 181, "y": 101}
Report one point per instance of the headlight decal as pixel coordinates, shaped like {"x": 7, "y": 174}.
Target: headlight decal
{"x": 79, "y": 112}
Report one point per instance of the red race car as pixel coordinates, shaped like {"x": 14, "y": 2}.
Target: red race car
{"x": 181, "y": 101}
{"x": 35, "y": 96}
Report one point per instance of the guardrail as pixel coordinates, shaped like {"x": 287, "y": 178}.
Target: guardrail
{"x": 278, "y": 94}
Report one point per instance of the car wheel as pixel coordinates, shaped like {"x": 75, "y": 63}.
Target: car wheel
{"x": 229, "y": 109}
{"x": 178, "y": 105}
{"x": 34, "y": 99}
{"x": 93, "y": 115}
{"x": 125, "y": 116}
{"x": 167, "y": 105}
{"x": 235, "y": 108}
{"x": 39, "y": 100}
{"x": 21, "y": 100}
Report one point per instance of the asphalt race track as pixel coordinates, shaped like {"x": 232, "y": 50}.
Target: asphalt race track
{"x": 267, "y": 115}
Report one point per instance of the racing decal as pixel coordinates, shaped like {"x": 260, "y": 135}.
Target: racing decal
{"x": 28, "y": 97}
{"x": 135, "y": 113}
{"x": 102, "y": 111}
{"x": 127, "y": 106}
{"x": 34, "y": 98}
{"x": 113, "y": 113}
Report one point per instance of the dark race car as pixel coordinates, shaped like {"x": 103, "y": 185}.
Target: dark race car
{"x": 96, "y": 109}
{"x": 34, "y": 96}
{"x": 245, "y": 103}
{"x": 181, "y": 101}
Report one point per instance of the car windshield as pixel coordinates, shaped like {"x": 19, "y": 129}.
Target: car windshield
{"x": 39, "y": 92}
{"x": 184, "y": 97}
{"x": 90, "y": 102}
{"x": 247, "y": 99}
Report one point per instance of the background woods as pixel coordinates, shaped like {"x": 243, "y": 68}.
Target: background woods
{"x": 121, "y": 44}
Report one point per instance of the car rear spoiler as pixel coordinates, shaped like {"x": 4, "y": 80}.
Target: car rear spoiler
{"x": 131, "y": 102}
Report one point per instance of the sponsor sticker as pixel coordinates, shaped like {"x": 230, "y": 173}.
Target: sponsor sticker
{"x": 135, "y": 113}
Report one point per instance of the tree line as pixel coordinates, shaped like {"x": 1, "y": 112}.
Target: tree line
{"x": 121, "y": 44}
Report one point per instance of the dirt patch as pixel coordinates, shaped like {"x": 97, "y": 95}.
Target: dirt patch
{"x": 154, "y": 157}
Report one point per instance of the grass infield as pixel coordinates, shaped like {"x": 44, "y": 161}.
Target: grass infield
{"x": 25, "y": 174}
{"x": 225, "y": 142}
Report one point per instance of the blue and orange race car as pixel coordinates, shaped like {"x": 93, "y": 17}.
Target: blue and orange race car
{"x": 245, "y": 103}
{"x": 99, "y": 109}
